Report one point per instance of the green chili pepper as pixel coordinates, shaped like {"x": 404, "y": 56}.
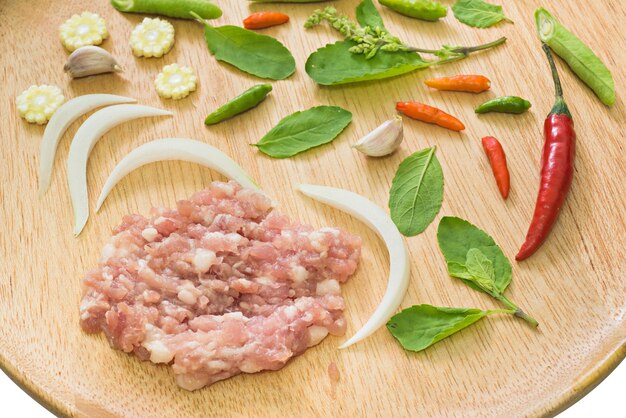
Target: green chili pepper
{"x": 419, "y": 9}
{"x": 287, "y": 1}
{"x": 577, "y": 55}
{"x": 172, "y": 8}
{"x": 245, "y": 101}
{"x": 504, "y": 104}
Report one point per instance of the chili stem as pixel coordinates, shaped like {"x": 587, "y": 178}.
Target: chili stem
{"x": 555, "y": 74}
{"x": 517, "y": 311}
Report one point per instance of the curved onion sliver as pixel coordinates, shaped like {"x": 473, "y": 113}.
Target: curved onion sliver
{"x": 60, "y": 121}
{"x": 377, "y": 219}
{"x": 85, "y": 139}
{"x": 176, "y": 149}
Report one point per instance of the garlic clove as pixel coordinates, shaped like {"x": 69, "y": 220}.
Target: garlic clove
{"x": 383, "y": 140}
{"x": 90, "y": 60}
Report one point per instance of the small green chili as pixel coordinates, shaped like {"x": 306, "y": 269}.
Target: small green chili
{"x": 245, "y": 101}
{"x": 173, "y": 8}
{"x": 419, "y": 9}
{"x": 504, "y": 104}
{"x": 580, "y": 58}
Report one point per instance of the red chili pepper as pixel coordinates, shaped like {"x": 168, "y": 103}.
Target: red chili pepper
{"x": 262, "y": 20}
{"x": 468, "y": 83}
{"x": 557, "y": 169}
{"x": 429, "y": 114}
{"x": 497, "y": 158}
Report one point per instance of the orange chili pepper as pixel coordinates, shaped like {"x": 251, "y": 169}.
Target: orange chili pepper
{"x": 497, "y": 159}
{"x": 429, "y": 114}
{"x": 467, "y": 83}
{"x": 262, "y": 20}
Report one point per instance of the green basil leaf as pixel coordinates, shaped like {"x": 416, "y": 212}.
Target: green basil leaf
{"x": 367, "y": 15}
{"x": 457, "y": 237}
{"x": 478, "y": 13}
{"x": 335, "y": 64}
{"x": 481, "y": 270}
{"x": 416, "y": 192}
{"x": 459, "y": 271}
{"x": 256, "y": 54}
{"x": 304, "y": 130}
{"x": 420, "y": 326}
{"x": 580, "y": 58}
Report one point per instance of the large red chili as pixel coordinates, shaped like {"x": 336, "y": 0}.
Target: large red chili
{"x": 557, "y": 169}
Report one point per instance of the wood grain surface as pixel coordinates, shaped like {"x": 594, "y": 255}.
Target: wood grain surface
{"x": 575, "y": 285}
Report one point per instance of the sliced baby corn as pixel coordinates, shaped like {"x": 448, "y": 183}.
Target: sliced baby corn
{"x": 152, "y": 38}
{"x": 37, "y": 103}
{"x": 82, "y": 30}
{"x": 175, "y": 82}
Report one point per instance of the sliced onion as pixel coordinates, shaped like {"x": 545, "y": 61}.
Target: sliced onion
{"x": 60, "y": 121}
{"x": 85, "y": 139}
{"x": 377, "y": 219}
{"x": 183, "y": 149}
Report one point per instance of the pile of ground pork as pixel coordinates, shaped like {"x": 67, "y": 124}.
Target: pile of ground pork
{"x": 219, "y": 286}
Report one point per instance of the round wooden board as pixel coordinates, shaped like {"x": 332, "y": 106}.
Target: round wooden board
{"x": 575, "y": 285}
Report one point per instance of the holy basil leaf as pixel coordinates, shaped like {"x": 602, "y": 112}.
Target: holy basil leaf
{"x": 416, "y": 192}
{"x": 335, "y": 64}
{"x": 303, "y": 130}
{"x": 481, "y": 270}
{"x": 256, "y": 54}
{"x": 420, "y": 326}
{"x": 367, "y": 15}
{"x": 457, "y": 237}
{"x": 478, "y": 13}
{"x": 459, "y": 271}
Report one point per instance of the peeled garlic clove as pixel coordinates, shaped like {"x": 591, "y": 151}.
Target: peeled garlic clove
{"x": 90, "y": 60}
{"x": 383, "y": 140}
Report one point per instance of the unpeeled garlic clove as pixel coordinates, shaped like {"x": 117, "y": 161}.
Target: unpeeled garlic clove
{"x": 90, "y": 60}
{"x": 383, "y": 140}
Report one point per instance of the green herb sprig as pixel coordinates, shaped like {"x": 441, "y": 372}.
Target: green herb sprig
{"x": 368, "y": 40}
{"x": 369, "y": 52}
{"x": 473, "y": 257}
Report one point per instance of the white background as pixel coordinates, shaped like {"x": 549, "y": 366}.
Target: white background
{"x": 608, "y": 400}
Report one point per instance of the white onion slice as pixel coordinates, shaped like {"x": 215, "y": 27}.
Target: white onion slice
{"x": 183, "y": 149}
{"x": 85, "y": 139}
{"x": 60, "y": 121}
{"x": 377, "y": 219}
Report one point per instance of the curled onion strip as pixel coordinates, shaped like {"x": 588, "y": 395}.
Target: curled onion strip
{"x": 85, "y": 139}
{"x": 60, "y": 121}
{"x": 176, "y": 149}
{"x": 377, "y": 219}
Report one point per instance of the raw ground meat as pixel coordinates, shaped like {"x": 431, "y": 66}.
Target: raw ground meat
{"x": 219, "y": 286}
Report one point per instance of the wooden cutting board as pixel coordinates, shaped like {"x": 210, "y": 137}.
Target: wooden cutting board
{"x": 575, "y": 285}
